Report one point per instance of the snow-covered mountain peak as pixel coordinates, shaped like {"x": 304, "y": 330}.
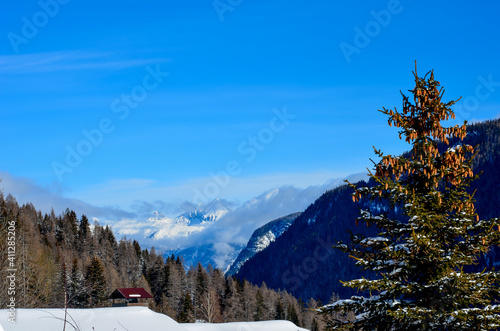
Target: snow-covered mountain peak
{"x": 271, "y": 194}
{"x": 215, "y": 210}
{"x": 159, "y": 226}
{"x": 158, "y": 215}
{"x": 209, "y": 213}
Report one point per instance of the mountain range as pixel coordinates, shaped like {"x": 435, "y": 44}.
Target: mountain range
{"x": 159, "y": 229}
{"x": 217, "y": 232}
{"x": 186, "y": 224}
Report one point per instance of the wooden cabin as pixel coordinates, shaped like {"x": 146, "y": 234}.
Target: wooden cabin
{"x": 126, "y": 297}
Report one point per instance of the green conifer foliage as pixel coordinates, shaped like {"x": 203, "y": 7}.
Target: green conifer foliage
{"x": 292, "y": 314}
{"x": 280, "y": 311}
{"x": 97, "y": 289}
{"x": 421, "y": 256}
{"x": 186, "y": 313}
{"x": 260, "y": 306}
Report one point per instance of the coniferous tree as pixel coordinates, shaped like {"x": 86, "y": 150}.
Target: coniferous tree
{"x": 186, "y": 312}
{"x": 96, "y": 283}
{"x": 314, "y": 325}
{"x": 420, "y": 255}
{"x": 83, "y": 234}
{"x": 61, "y": 290}
{"x": 70, "y": 226}
{"x": 291, "y": 313}
{"x": 280, "y": 311}
{"x": 59, "y": 230}
{"x": 232, "y": 310}
{"x": 77, "y": 296}
{"x": 137, "y": 248}
{"x": 201, "y": 287}
{"x": 260, "y": 307}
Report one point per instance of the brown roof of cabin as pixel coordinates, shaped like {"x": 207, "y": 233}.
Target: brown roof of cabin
{"x": 129, "y": 293}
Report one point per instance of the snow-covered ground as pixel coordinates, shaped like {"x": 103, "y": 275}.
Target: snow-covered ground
{"x": 121, "y": 319}
{"x": 245, "y": 326}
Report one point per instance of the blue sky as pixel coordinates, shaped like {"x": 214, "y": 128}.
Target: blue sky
{"x": 177, "y": 101}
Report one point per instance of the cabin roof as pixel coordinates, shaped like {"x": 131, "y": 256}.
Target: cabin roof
{"x": 129, "y": 293}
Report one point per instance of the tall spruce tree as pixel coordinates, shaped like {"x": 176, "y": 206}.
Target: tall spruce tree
{"x": 186, "y": 312}
{"x": 280, "y": 311}
{"x": 421, "y": 256}
{"x": 96, "y": 283}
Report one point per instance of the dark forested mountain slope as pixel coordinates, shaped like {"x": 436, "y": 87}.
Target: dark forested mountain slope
{"x": 486, "y": 163}
{"x": 260, "y": 239}
{"x": 486, "y": 136}
{"x": 301, "y": 260}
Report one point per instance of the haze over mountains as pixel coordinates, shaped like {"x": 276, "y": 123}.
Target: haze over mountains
{"x": 215, "y": 233}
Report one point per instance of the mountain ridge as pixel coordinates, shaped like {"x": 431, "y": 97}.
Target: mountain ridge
{"x": 261, "y": 238}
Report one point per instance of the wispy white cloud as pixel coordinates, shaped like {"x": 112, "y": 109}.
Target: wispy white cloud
{"x": 27, "y": 191}
{"x": 69, "y": 61}
{"x": 237, "y": 226}
{"x": 174, "y": 198}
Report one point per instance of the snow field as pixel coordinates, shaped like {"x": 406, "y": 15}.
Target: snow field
{"x": 122, "y": 319}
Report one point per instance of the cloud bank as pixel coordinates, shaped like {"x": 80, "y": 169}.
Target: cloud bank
{"x": 26, "y": 190}
{"x": 231, "y": 231}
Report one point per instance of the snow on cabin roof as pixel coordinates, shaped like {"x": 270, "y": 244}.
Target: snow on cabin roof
{"x": 128, "y": 293}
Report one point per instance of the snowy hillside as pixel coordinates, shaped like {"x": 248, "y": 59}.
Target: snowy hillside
{"x": 261, "y": 238}
{"x": 121, "y": 319}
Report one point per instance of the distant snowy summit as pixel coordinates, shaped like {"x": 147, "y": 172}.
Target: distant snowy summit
{"x": 157, "y": 228}
{"x": 211, "y": 213}
{"x": 163, "y": 227}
